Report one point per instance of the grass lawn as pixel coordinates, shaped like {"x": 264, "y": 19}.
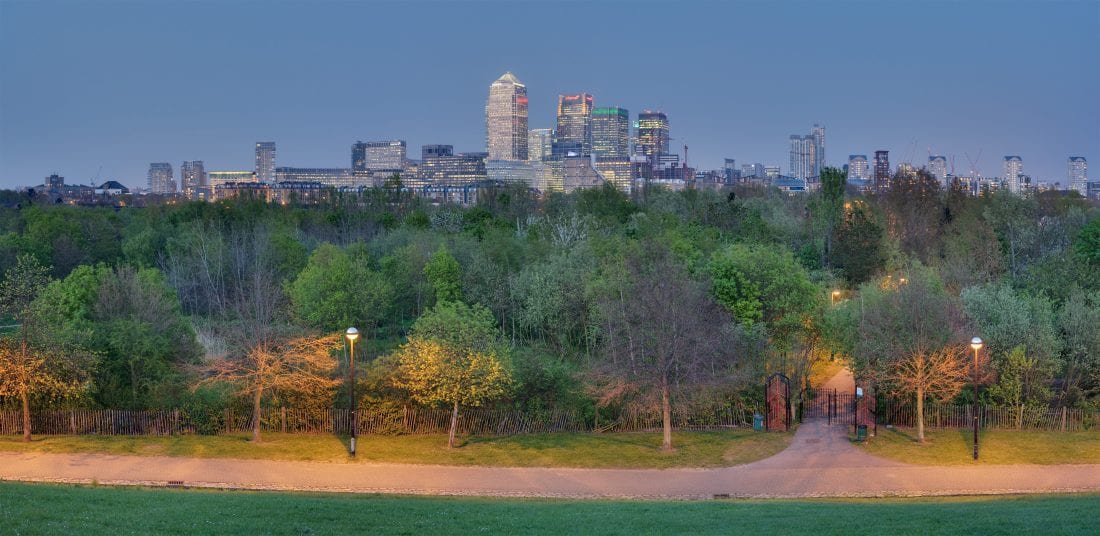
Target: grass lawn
{"x": 102, "y": 510}
{"x": 956, "y": 447}
{"x": 635, "y": 450}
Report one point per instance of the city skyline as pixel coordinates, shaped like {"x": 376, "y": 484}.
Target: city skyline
{"x": 112, "y": 128}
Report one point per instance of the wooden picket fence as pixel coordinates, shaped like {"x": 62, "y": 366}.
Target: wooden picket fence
{"x": 1059, "y": 419}
{"x": 402, "y": 420}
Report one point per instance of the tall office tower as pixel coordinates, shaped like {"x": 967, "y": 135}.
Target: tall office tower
{"x": 611, "y": 132}
{"x": 803, "y": 157}
{"x": 192, "y": 178}
{"x": 160, "y": 178}
{"x": 818, "y": 135}
{"x": 428, "y": 152}
{"x": 653, "y": 135}
{"x": 1013, "y": 171}
{"x": 857, "y": 167}
{"x": 574, "y": 132}
{"x": 265, "y": 161}
{"x": 729, "y": 170}
{"x": 1078, "y": 178}
{"x": 937, "y": 166}
{"x": 383, "y": 155}
{"x": 506, "y": 119}
{"x": 882, "y": 170}
{"x": 540, "y": 143}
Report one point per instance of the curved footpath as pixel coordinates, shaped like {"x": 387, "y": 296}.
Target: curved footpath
{"x": 820, "y": 462}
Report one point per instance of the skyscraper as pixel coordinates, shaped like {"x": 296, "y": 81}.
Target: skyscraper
{"x": 729, "y": 170}
{"x": 435, "y": 151}
{"x": 857, "y": 167}
{"x": 882, "y": 170}
{"x": 937, "y": 166}
{"x": 265, "y": 161}
{"x": 818, "y": 135}
{"x": 359, "y": 156}
{"x": 653, "y": 135}
{"x": 160, "y": 178}
{"x": 611, "y": 132}
{"x": 1078, "y": 178}
{"x": 803, "y": 156}
{"x": 506, "y": 119}
{"x": 1013, "y": 171}
{"x": 192, "y": 178}
{"x": 540, "y": 142}
{"x": 574, "y": 132}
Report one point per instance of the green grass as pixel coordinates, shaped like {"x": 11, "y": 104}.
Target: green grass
{"x": 641, "y": 450}
{"x": 99, "y": 510}
{"x": 956, "y": 447}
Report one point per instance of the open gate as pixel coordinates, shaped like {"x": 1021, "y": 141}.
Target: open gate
{"x": 829, "y": 404}
{"x": 777, "y": 402}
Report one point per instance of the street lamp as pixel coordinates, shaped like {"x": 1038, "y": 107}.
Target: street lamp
{"x": 836, "y": 296}
{"x": 352, "y": 334}
{"x": 976, "y": 344}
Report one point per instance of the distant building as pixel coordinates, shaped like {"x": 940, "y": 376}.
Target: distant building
{"x": 730, "y": 173}
{"x": 193, "y": 179}
{"x": 578, "y": 173}
{"x": 335, "y": 177}
{"x": 112, "y": 188}
{"x": 461, "y": 168}
{"x": 611, "y": 132}
{"x": 540, "y": 143}
{"x": 771, "y": 172}
{"x": 1013, "y": 173}
{"x": 575, "y": 123}
{"x": 817, "y": 134}
{"x": 529, "y": 173}
{"x": 435, "y": 151}
{"x": 389, "y": 155}
{"x": 265, "y": 161}
{"x": 882, "y": 170}
{"x": 937, "y": 166}
{"x": 160, "y": 178}
{"x": 857, "y": 167}
{"x": 803, "y": 156}
{"x": 506, "y": 119}
{"x": 54, "y": 183}
{"x": 752, "y": 171}
{"x": 617, "y": 171}
{"x": 218, "y": 178}
{"x": 1078, "y": 175}
{"x": 653, "y": 135}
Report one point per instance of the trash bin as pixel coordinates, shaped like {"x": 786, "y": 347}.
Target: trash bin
{"x": 861, "y": 432}
{"x": 758, "y": 422}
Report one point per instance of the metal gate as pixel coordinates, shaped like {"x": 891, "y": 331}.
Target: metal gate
{"x": 777, "y": 402}
{"x": 829, "y": 404}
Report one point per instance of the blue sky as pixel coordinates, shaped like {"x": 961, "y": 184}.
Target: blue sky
{"x": 117, "y": 85}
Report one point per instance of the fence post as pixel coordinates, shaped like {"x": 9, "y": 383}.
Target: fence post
{"x": 228, "y": 420}
{"x": 1063, "y": 418}
{"x": 282, "y": 412}
{"x": 72, "y": 422}
{"x": 176, "y": 422}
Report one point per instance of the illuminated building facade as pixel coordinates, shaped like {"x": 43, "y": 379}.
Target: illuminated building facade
{"x": 160, "y": 178}
{"x": 574, "y": 134}
{"x": 336, "y": 177}
{"x": 265, "y": 161}
{"x": 857, "y": 167}
{"x": 653, "y": 135}
{"x": 1013, "y": 172}
{"x": 937, "y": 166}
{"x": 1078, "y": 175}
{"x": 882, "y": 170}
{"x": 540, "y": 142}
{"x": 611, "y": 132}
{"x": 506, "y": 119}
{"x": 193, "y": 179}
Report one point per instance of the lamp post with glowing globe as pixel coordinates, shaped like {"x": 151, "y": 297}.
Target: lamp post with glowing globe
{"x": 352, "y": 335}
{"x": 976, "y": 344}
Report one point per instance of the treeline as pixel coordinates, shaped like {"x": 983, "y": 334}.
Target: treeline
{"x": 592, "y": 301}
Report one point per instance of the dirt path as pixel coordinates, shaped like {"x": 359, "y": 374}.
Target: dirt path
{"x": 820, "y": 462}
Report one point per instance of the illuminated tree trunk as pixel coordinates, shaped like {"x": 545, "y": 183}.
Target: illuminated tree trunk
{"x": 26, "y": 415}
{"x": 666, "y": 415}
{"x": 256, "y": 413}
{"x": 454, "y": 424}
{"x": 920, "y": 414}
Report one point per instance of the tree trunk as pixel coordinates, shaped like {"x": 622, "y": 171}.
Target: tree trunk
{"x": 454, "y": 424}
{"x": 26, "y": 415}
{"x": 666, "y": 415}
{"x": 920, "y": 414}
{"x": 256, "y": 414}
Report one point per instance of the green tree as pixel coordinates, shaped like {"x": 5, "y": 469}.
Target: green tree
{"x": 765, "y": 283}
{"x": 1007, "y": 319}
{"x": 857, "y": 243}
{"x": 338, "y": 289}
{"x": 454, "y": 355}
{"x": 1079, "y": 324}
{"x": 1087, "y": 244}
{"x": 445, "y": 275}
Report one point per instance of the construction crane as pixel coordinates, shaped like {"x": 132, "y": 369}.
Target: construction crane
{"x": 974, "y": 171}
